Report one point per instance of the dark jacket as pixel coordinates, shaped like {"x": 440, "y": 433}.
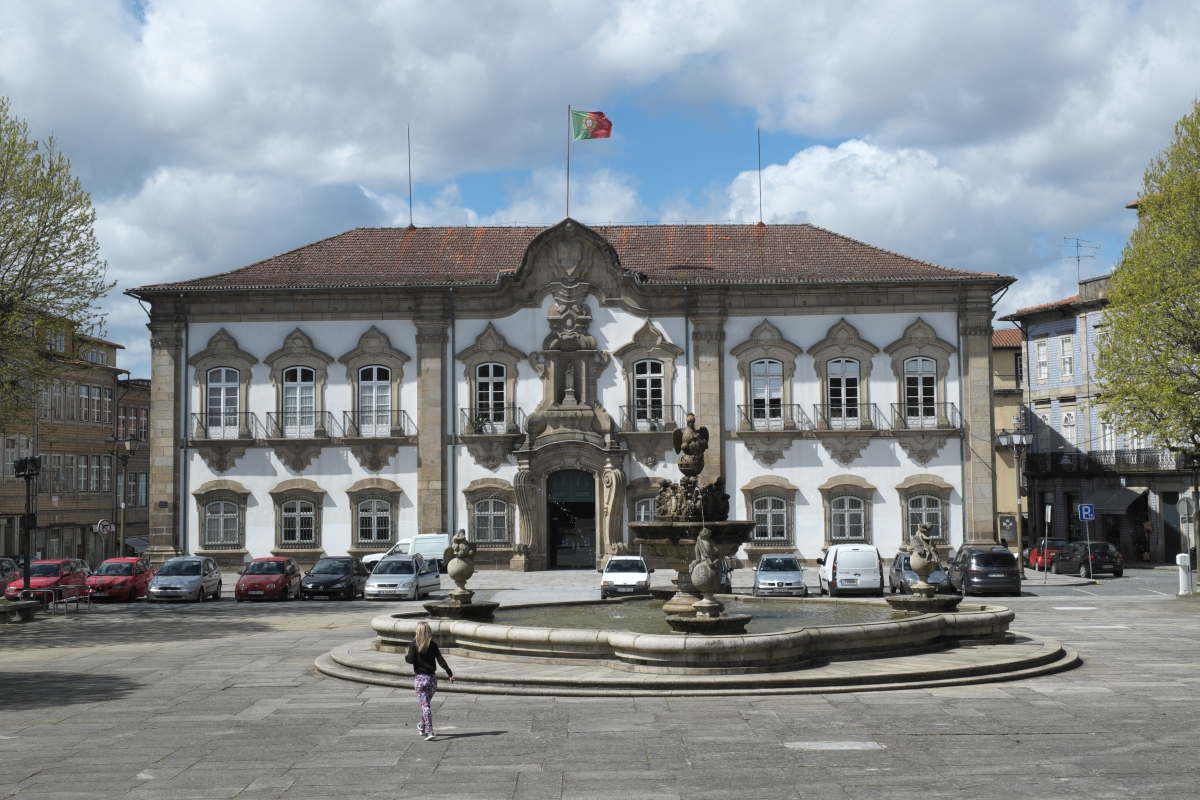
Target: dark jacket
{"x": 426, "y": 663}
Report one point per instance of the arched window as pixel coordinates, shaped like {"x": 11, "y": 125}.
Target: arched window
{"x": 374, "y": 521}
{"x": 374, "y": 401}
{"x": 847, "y": 520}
{"x": 770, "y": 519}
{"x": 843, "y": 392}
{"x": 490, "y": 397}
{"x": 491, "y": 520}
{"x": 920, "y": 392}
{"x": 222, "y": 409}
{"x": 766, "y": 394}
{"x": 643, "y": 510}
{"x": 648, "y": 393}
{"x": 221, "y": 524}
{"x": 925, "y": 508}
{"x": 299, "y": 410}
{"x": 298, "y": 523}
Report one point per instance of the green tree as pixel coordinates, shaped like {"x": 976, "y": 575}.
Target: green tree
{"x": 51, "y": 274}
{"x": 1149, "y": 348}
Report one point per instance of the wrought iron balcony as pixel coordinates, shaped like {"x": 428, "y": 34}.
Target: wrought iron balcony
{"x": 1104, "y": 462}
{"x": 302, "y": 425}
{"x": 226, "y": 425}
{"x": 650, "y": 417}
{"x": 377, "y": 424}
{"x": 848, "y": 417}
{"x": 492, "y": 421}
{"x": 925, "y": 416}
{"x": 769, "y": 417}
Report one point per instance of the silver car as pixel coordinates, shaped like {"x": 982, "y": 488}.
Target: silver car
{"x": 192, "y": 578}
{"x": 779, "y": 574}
{"x": 902, "y": 578}
{"x": 402, "y": 578}
{"x": 8, "y": 571}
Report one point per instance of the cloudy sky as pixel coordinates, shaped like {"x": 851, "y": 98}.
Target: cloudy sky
{"x": 975, "y": 135}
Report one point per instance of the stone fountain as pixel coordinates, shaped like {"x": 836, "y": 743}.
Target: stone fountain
{"x": 924, "y": 560}
{"x": 692, "y": 533}
{"x": 459, "y": 559}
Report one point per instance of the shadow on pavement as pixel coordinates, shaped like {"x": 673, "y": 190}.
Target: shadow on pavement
{"x": 441, "y": 736}
{"x": 132, "y": 626}
{"x": 28, "y": 690}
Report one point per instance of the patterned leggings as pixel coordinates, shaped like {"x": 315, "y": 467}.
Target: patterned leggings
{"x": 425, "y": 686}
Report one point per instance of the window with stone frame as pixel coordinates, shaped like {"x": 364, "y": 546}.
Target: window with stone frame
{"x": 926, "y": 498}
{"x": 375, "y": 371}
{"x": 222, "y": 525}
{"x": 920, "y": 362}
{"x": 222, "y": 372}
{"x": 223, "y": 403}
{"x": 490, "y": 521}
{"x": 374, "y": 521}
{"x": 490, "y": 503}
{"x": 648, "y": 393}
{"x": 491, "y": 394}
{"x": 767, "y": 365}
{"x": 299, "y": 522}
{"x": 643, "y": 510}
{"x": 847, "y": 519}
{"x": 490, "y": 368}
{"x": 771, "y": 519}
{"x": 926, "y": 509}
{"x": 1069, "y": 430}
{"x": 1041, "y": 350}
{"x": 648, "y": 364}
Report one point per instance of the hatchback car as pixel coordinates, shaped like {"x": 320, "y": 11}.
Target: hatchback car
{"x": 342, "y": 577}
{"x": 625, "y": 575}
{"x": 977, "y": 570}
{"x": 186, "y": 578}
{"x": 779, "y": 574}
{"x": 1043, "y": 552}
{"x": 121, "y": 579}
{"x": 402, "y": 578}
{"x": 268, "y": 578}
{"x": 1088, "y": 559}
{"x": 851, "y": 568}
{"x": 59, "y": 575}
{"x": 901, "y": 577}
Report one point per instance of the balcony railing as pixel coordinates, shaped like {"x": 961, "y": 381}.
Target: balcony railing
{"x": 651, "y": 418}
{"x": 1007, "y": 382}
{"x": 302, "y": 425}
{"x": 377, "y": 424}
{"x": 767, "y": 417}
{"x": 1104, "y": 462}
{"x": 848, "y": 417}
{"x": 925, "y": 416}
{"x": 492, "y": 421}
{"x": 226, "y": 425}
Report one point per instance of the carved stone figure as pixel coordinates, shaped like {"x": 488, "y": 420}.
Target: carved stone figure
{"x": 924, "y": 558}
{"x": 459, "y": 558}
{"x": 691, "y": 442}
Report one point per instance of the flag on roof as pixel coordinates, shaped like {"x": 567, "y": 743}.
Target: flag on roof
{"x": 590, "y": 125}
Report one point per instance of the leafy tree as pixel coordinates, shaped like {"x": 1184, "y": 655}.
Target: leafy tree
{"x": 1149, "y": 348}
{"x": 51, "y": 275}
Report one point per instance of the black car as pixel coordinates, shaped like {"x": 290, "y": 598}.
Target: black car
{"x": 1088, "y": 559}
{"x": 976, "y": 570}
{"x": 342, "y": 577}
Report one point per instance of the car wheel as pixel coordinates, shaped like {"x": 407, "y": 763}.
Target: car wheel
{"x": 1084, "y": 572}
{"x": 217, "y": 593}
{"x": 200, "y": 594}
{"x": 805, "y": 592}
{"x": 1054, "y": 567}
{"x": 1118, "y": 573}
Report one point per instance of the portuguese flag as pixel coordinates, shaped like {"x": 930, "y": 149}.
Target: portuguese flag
{"x": 590, "y": 125}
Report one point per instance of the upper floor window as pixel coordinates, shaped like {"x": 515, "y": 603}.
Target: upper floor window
{"x": 766, "y": 393}
{"x": 648, "y": 390}
{"x": 770, "y": 518}
{"x": 1042, "y": 353}
{"x": 491, "y": 397}
{"x": 1043, "y": 432}
{"x": 1019, "y": 367}
{"x": 224, "y": 387}
{"x": 1066, "y": 357}
{"x": 643, "y": 510}
{"x": 1108, "y": 436}
{"x": 374, "y": 401}
{"x": 1068, "y": 428}
{"x": 299, "y": 403}
{"x": 843, "y": 392}
{"x": 847, "y": 519}
{"x": 920, "y": 391}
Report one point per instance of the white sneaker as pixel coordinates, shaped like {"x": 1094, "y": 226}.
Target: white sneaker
{"x": 421, "y": 728}
{"x": 429, "y": 737}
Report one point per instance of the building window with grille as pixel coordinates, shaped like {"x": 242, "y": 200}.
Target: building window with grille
{"x": 847, "y": 519}
{"x": 56, "y": 401}
{"x": 491, "y": 520}
{"x": 1066, "y": 358}
{"x": 69, "y": 473}
{"x": 298, "y": 525}
{"x": 222, "y": 524}
{"x": 374, "y": 521}
{"x": 1019, "y": 367}
{"x": 648, "y": 395}
{"x": 643, "y": 510}
{"x": 770, "y": 519}
{"x": 82, "y": 481}
{"x": 96, "y": 404}
{"x": 10, "y": 456}
{"x": 926, "y": 509}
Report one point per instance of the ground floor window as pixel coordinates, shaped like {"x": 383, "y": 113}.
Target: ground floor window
{"x": 847, "y": 519}
{"x": 491, "y": 520}
{"x": 222, "y": 524}
{"x": 374, "y": 521}
{"x": 770, "y": 519}
{"x": 298, "y": 524}
{"x": 925, "y": 508}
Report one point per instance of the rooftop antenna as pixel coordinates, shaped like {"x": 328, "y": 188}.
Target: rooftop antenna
{"x": 1080, "y": 245}
{"x": 410, "y": 199}
{"x": 760, "y": 220}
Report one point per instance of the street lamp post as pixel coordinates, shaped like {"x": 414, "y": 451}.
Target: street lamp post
{"x": 124, "y": 449}
{"x": 1016, "y": 441}
{"x": 28, "y": 469}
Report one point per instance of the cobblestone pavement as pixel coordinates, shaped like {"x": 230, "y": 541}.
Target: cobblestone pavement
{"x": 221, "y": 700}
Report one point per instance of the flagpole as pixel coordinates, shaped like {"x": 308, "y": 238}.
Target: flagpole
{"x": 410, "y": 196}
{"x": 760, "y": 175}
{"x": 568, "y": 159}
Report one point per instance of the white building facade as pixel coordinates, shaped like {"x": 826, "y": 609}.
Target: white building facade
{"x": 522, "y": 384}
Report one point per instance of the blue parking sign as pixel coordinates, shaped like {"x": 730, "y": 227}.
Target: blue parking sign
{"x": 1087, "y": 512}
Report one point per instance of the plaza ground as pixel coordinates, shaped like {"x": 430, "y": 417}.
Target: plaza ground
{"x": 222, "y": 700}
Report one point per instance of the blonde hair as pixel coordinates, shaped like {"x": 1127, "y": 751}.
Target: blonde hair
{"x": 423, "y": 636}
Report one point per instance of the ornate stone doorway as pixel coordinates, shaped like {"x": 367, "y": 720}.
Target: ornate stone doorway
{"x": 571, "y": 519}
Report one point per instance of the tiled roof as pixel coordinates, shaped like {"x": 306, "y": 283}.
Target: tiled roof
{"x": 664, "y": 254}
{"x": 1021, "y": 312}
{"x": 1007, "y": 337}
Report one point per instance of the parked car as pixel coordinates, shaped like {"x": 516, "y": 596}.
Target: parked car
{"x": 429, "y": 546}
{"x": 121, "y": 578}
{"x": 779, "y": 574}
{"x": 402, "y": 578}
{"x": 192, "y": 578}
{"x": 901, "y": 576}
{"x": 851, "y": 568}
{"x": 269, "y": 578}
{"x": 343, "y": 576}
{"x": 1088, "y": 559}
{"x": 977, "y": 570}
{"x": 728, "y": 565}
{"x": 49, "y": 573}
{"x": 8, "y": 571}
{"x": 625, "y": 575}
{"x": 1043, "y": 552}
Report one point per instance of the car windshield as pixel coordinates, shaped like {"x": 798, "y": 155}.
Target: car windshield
{"x": 265, "y": 568}
{"x": 180, "y": 568}
{"x": 401, "y": 566}
{"x": 778, "y": 565}
{"x": 1053, "y": 544}
{"x": 626, "y": 565}
{"x": 994, "y": 560}
{"x": 43, "y": 570}
{"x": 1104, "y": 549}
{"x": 332, "y": 566}
{"x": 115, "y": 568}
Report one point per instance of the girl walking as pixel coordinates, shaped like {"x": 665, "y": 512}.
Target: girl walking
{"x": 424, "y": 655}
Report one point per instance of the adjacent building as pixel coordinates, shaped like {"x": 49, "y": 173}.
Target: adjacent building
{"x": 523, "y": 384}
{"x": 1008, "y": 385}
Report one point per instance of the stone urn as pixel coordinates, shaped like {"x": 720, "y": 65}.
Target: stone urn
{"x": 459, "y": 559}
{"x": 923, "y": 561}
{"x": 705, "y": 574}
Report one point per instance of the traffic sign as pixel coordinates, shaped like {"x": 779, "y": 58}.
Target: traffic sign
{"x": 1087, "y": 512}
{"x": 104, "y": 527}
{"x": 1186, "y": 507}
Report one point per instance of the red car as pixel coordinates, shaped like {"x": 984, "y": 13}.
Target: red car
{"x": 268, "y": 579}
{"x": 49, "y": 573}
{"x": 1042, "y": 557}
{"x": 121, "y": 578}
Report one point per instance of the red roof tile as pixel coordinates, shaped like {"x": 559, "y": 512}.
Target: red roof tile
{"x": 664, "y": 254}
{"x": 1007, "y": 337}
{"x": 1066, "y": 301}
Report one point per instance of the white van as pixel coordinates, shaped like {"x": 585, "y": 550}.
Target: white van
{"x": 851, "y": 569}
{"x": 430, "y": 546}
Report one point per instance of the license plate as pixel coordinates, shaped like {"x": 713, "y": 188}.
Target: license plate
{"x": 1106, "y": 566}
{"x": 849, "y": 581}
{"x": 386, "y": 591}
{"x": 320, "y": 597}
{"x": 255, "y": 592}
{"x": 995, "y": 574}
{"x": 624, "y": 588}
{"x": 99, "y": 594}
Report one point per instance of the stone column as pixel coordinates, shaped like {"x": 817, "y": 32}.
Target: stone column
{"x": 167, "y": 434}
{"x": 432, "y": 425}
{"x": 529, "y": 555}
{"x": 708, "y": 363}
{"x": 978, "y": 423}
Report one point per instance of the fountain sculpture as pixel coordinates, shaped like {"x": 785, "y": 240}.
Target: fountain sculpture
{"x": 459, "y": 559}
{"x": 924, "y": 560}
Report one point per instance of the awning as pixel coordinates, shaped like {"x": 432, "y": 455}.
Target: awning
{"x": 138, "y": 543}
{"x": 1114, "y": 501}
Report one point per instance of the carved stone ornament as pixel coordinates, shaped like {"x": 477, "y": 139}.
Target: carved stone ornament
{"x": 921, "y": 446}
{"x": 220, "y": 455}
{"x": 297, "y": 454}
{"x": 845, "y": 446}
{"x": 648, "y": 447}
{"x": 374, "y": 454}
{"x": 767, "y": 446}
{"x": 490, "y": 450}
